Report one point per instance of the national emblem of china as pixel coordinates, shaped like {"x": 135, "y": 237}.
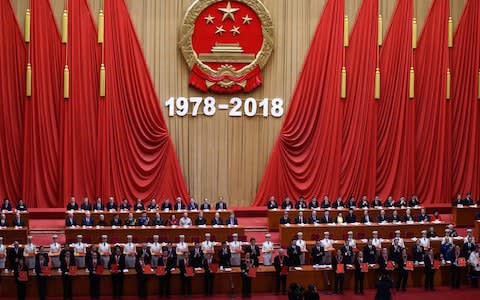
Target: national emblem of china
{"x": 226, "y": 44}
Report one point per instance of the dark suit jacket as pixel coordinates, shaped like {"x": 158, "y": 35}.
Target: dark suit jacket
{"x": 381, "y": 219}
{"x": 369, "y": 254}
{"x": 98, "y": 206}
{"x": 284, "y": 221}
{"x": 111, "y": 206}
{"x": 278, "y": 264}
{"x": 337, "y": 204}
{"x": 38, "y": 266}
{"x": 315, "y": 220}
{"x": 304, "y": 221}
{"x": 407, "y": 218}
{"x": 423, "y": 218}
{"x": 7, "y": 207}
{"x": 364, "y": 205}
{"x": 230, "y": 222}
{"x": 364, "y": 219}
{"x": 418, "y": 254}
{"x": 200, "y": 221}
{"x": 86, "y": 222}
{"x": 72, "y": 207}
{"x": 254, "y": 253}
{"x": 86, "y": 206}
{"x": 127, "y": 206}
{"x": 158, "y": 221}
{"x": 139, "y": 206}
{"x": 117, "y": 222}
{"x": 18, "y": 222}
{"x": 179, "y": 206}
{"x": 317, "y": 255}
{"x": 324, "y": 220}
{"x": 193, "y": 206}
{"x": 169, "y": 263}
{"x": 347, "y": 252}
{"x": 164, "y": 206}
{"x": 71, "y": 222}
{"x": 428, "y": 264}
{"x": 196, "y": 262}
{"x": 205, "y": 206}
{"x": 147, "y": 256}
{"x": 336, "y": 262}
{"x": 220, "y": 205}
{"x": 302, "y": 204}
{"x": 217, "y": 222}
{"x": 351, "y": 218}
{"x": 294, "y": 253}
{"x": 121, "y": 263}
{"x": 63, "y": 264}
{"x": 225, "y": 257}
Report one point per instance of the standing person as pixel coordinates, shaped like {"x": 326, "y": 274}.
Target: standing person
{"x": 311, "y": 293}
{"x": 54, "y": 253}
{"x": 293, "y": 253}
{"x": 225, "y": 256}
{"x": 429, "y": 271}
{"x": 281, "y": 264}
{"x": 254, "y": 251}
{"x": 359, "y": 275}
{"x": 267, "y": 250}
{"x": 186, "y": 273}
{"x": 245, "y": 267}
{"x": 402, "y": 271}
{"x": 41, "y": 263}
{"x": 168, "y": 262}
{"x": 141, "y": 277}
{"x": 94, "y": 265}
{"x": 116, "y": 265}
{"x": 318, "y": 253}
{"x": 3, "y": 254}
{"x": 338, "y": 267}
{"x": 384, "y": 285}
{"x": 20, "y": 272}
{"x": 456, "y": 269}
{"x": 209, "y": 266}
{"x": 236, "y": 250}
{"x": 474, "y": 262}
{"x": 67, "y": 263}
{"x": 105, "y": 251}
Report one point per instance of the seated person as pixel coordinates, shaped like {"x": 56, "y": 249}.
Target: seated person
{"x": 200, "y": 220}
{"x": 87, "y": 220}
{"x": 116, "y": 221}
{"x": 179, "y": 204}
{"x": 192, "y": 204}
{"x": 21, "y": 206}
{"x": 205, "y": 205}
{"x": 382, "y": 218}
{"x": 172, "y": 221}
{"x": 144, "y": 220}
{"x": 98, "y": 205}
{"x": 468, "y": 199}
{"x": 166, "y": 205}
{"x": 338, "y": 203}
{"x": 351, "y": 217}
{"x": 232, "y": 220}
{"x": 452, "y": 232}
{"x": 217, "y": 220}
{"x": 364, "y": 203}
{"x": 70, "y": 220}
{"x": 314, "y": 203}
{"x": 285, "y": 219}
{"x": 414, "y": 201}
{"x": 101, "y": 221}
{"x": 313, "y": 218}
{"x": 130, "y": 221}
{"x": 111, "y": 204}
{"x": 287, "y": 203}
{"x": 18, "y": 220}
{"x": 272, "y": 203}
{"x": 408, "y": 216}
{"x": 389, "y": 202}
{"x": 125, "y": 206}
{"x": 139, "y": 206}
{"x": 157, "y": 220}
{"x": 86, "y": 204}
{"x": 351, "y": 203}
{"x": 431, "y": 233}
{"x": 72, "y": 205}
{"x": 395, "y": 217}
{"x": 301, "y": 203}
{"x": 6, "y": 205}
{"x": 325, "y": 202}
{"x": 340, "y": 219}
{"x": 326, "y": 218}
{"x": 300, "y": 219}
{"x": 377, "y": 202}
{"x": 436, "y": 215}
{"x": 221, "y": 204}
{"x": 402, "y": 202}
{"x": 366, "y": 217}
{"x": 185, "y": 220}
{"x": 3, "y": 220}
{"x": 152, "y": 206}
{"x": 423, "y": 217}
{"x": 477, "y": 217}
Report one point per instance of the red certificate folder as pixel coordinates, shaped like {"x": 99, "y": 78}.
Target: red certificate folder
{"x": 409, "y": 265}
{"x": 284, "y": 270}
{"x": 461, "y": 262}
{"x": 72, "y": 270}
{"x": 340, "y": 269}
{"x": 147, "y": 269}
{"x": 189, "y": 272}
{"x": 436, "y": 264}
{"x": 46, "y": 270}
{"x": 161, "y": 271}
{"x": 364, "y": 268}
{"x": 114, "y": 268}
{"x": 213, "y": 268}
{"x": 99, "y": 269}
{"x": 23, "y": 276}
{"x": 252, "y": 272}
{"x": 390, "y": 266}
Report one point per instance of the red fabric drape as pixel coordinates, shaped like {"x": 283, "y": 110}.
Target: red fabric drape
{"x": 136, "y": 157}
{"x": 78, "y": 135}
{"x": 358, "y": 164}
{"x": 433, "y": 119}
{"x": 12, "y": 91}
{"x": 42, "y": 110}
{"x": 465, "y": 106}
{"x": 306, "y": 157}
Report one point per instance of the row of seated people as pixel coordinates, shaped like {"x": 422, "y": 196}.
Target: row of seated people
{"x": 157, "y": 220}
{"x": 339, "y": 218}
{"x": 17, "y": 221}
{"x": 7, "y": 205}
{"x": 465, "y": 201}
{"x": 111, "y": 205}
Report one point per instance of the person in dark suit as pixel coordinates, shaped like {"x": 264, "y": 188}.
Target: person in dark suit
{"x": 294, "y": 252}
{"x": 364, "y": 203}
{"x": 72, "y": 205}
{"x": 369, "y": 252}
{"x": 325, "y": 202}
{"x": 382, "y": 218}
{"x": 205, "y": 205}
{"x": 314, "y": 219}
{"x": 183, "y": 264}
{"x": 300, "y": 219}
{"x": 111, "y": 204}
{"x": 338, "y": 203}
{"x": 281, "y": 263}
{"x": 390, "y": 202}
{"x": 139, "y": 206}
{"x": 87, "y": 220}
{"x": 14, "y": 255}
{"x": 21, "y": 206}
{"x": 366, "y": 217}
{"x": 402, "y": 202}
{"x": 301, "y": 203}
{"x": 351, "y": 218}
{"x": 98, "y": 206}
{"x": 221, "y": 204}
{"x": 166, "y": 205}
{"x": 217, "y": 220}
{"x": 458, "y": 200}
{"x": 225, "y": 255}
{"x": 384, "y": 285}
{"x": 70, "y": 220}
{"x": 168, "y": 261}
{"x": 468, "y": 199}
{"x": 232, "y": 220}
{"x": 468, "y": 247}
{"x": 287, "y": 203}
{"x": 17, "y": 221}
{"x": 359, "y": 275}
{"x": 418, "y": 252}
{"x": 116, "y": 221}
{"x": 414, "y": 201}
{"x": 395, "y": 217}
{"x": 157, "y": 220}
{"x": 347, "y": 253}
{"x": 143, "y": 220}
{"x": 318, "y": 253}
{"x": 326, "y": 218}
{"x": 245, "y": 266}
{"x": 125, "y": 206}
{"x": 3, "y": 220}
{"x": 93, "y": 263}
{"x": 314, "y": 203}
{"x": 402, "y": 273}
{"x": 67, "y": 260}
{"x": 377, "y": 202}
{"x": 152, "y": 206}
{"x": 339, "y": 276}
{"x": 196, "y": 256}
{"x": 429, "y": 271}
{"x": 192, "y": 205}
{"x": 179, "y": 204}
{"x": 141, "y": 277}
{"x": 272, "y": 203}
{"x": 311, "y": 293}
{"x": 423, "y": 217}
{"x": 456, "y": 270}
{"x": 86, "y": 204}
{"x": 351, "y": 203}
{"x": 145, "y": 253}
{"x": 200, "y": 219}
{"x": 116, "y": 265}
{"x": 383, "y": 260}
{"x": 41, "y": 262}
{"x": 209, "y": 275}
{"x": 19, "y": 267}
{"x": 254, "y": 252}
{"x": 6, "y": 205}
{"x": 285, "y": 219}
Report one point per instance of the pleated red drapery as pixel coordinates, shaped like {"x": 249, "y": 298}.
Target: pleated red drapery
{"x": 12, "y": 90}
{"x": 42, "y": 111}
{"x": 135, "y": 154}
{"x": 78, "y": 136}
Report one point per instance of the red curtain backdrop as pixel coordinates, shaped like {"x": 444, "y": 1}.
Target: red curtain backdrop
{"x": 433, "y": 110}
{"x": 42, "y": 110}
{"x": 136, "y": 156}
{"x": 306, "y": 157}
{"x": 78, "y": 136}
{"x": 465, "y": 106}
{"x": 12, "y": 91}
{"x": 358, "y": 163}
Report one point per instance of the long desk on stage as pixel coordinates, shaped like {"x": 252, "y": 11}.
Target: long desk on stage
{"x": 11, "y": 216}
{"x": 141, "y": 234}
{"x": 274, "y": 215}
{"x": 361, "y": 231}
{"x": 465, "y": 216}
{"x": 225, "y": 282}
{"x": 12, "y": 234}
{"x": 207, "y": 214}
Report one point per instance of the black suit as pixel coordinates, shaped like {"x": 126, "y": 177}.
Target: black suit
{"x": 117, "y": 277}
{"x": 294, "y": 253}
{"x": 347, "y": 253}
{"x": 369, "y": 254}
{"x": 318, "y": 255}
{"x": 279, "y": 262}
{"x": 246, "y": 280}
{"x": 314, "y": 220}
{"x": 218, "y": 221}
{"x": 351, "y": 218}
{"x": 70, "y": 222}
{"x": 205, "y": 206}
{"x": 402, "y": 276}
{"x": 284, "y": 221}
{"x": 429, "y": 273}
{"x": 418, "y": 253}
{"x": 300, "y": 220}
{"x": 6, "y": 207}
{"x": 179, "y": 206}
{"x": 169, "y": 263}
{"x": 231, "y": 221}
{"x": 41, "y": 278}
{"x": 192, "y": 206}
{"x": 209, "y": 277}
{"x": 339, "y": 277}
{"x": 381, "y": 218}
{"x": 13, "y": 255}
{"x": 21, "y": 285}
{"x": 365, "y": 220}
{"x": 71, "y": 206}
{"x": 112, "y": 206}
{"x": 196, "y": 259}
{"x": 186, "y": 281}
{"x": 98, "y": 206}
{"x": 141, "y": 280}
{"x": 225, "y": 255}
{"x": 254, "y": 253}
{"x": 200, "y": 221}
{"x": 221, "y": 205}
{"x": 66, "y": 276}
{"x": 359, "y": 276}
{"x": 86, "y": 206}
{"x": 324, "y": 220}
{"x": 166, "y": 206}
{"x": 93, "y": 277}
{"x": 18, "y": 222}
